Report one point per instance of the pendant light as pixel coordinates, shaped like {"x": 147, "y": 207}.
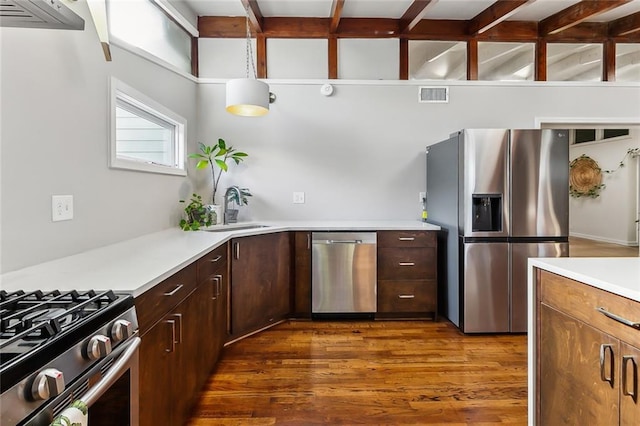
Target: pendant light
{"x": 248, "y": 97}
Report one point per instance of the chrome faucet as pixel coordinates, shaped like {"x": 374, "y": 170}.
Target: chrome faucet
{"x": 227, "y": 219}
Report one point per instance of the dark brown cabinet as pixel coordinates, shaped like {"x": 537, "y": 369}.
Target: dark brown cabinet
{"x": 260, "y": 282}
{"x": 183, "y": 328}
{"x": 587, "y": 361}
{"x": 302, "y": 275}
{"x": 213, "y": 278}
{"x": 406, "y": 266}
{"x": 168, "y": 375}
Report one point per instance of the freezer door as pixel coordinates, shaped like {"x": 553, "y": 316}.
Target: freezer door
{"x": 520, "y": 254}
{"x": 539, "y": 183}
{"x": 486, "y": 288}
{"x": 485, "y": 164}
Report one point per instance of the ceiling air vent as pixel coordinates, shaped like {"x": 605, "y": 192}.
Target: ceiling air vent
{"x": 432, "y": 94}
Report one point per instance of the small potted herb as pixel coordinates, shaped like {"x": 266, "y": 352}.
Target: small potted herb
{"x": 196, "y": 214}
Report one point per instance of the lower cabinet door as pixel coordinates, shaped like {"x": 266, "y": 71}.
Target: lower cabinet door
{"x": 629, "y": 400}
{"x": 158, "y": 360}
{"x": 578, "y": 372}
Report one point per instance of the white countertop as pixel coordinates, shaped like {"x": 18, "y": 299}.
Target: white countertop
{"x": 138, "y": 264}
{"x": 618, "y": 275}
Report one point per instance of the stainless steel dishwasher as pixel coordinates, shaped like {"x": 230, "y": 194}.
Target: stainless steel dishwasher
{"x": 343, "y": 277}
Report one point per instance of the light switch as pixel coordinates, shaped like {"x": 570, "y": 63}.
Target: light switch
{"x": 61, "y": 207}
{"x": 298, "y": 198}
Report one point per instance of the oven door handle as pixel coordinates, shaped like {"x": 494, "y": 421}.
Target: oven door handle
{"x": 114, "y": 373}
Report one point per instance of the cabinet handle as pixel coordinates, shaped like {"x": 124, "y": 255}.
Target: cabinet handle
{"x": 603, "y": 355}
{"x": 406, "y": 296}
{"x": 178, "y": 317}
{"x": 175, "y": 290}
{"x": 618, "y": 318}
{"x": 218, "y": 285}
{"x": 172, "y": 335}
{"x": 308, "y": 241}
{"x": 633, "y": 393}
{"x": 236, "y": 249}
{"x": 215, "y": 259}
{"x": 406, "y": 238}
{"x": 407, "y": 264}
{"x": 214, "y": 282}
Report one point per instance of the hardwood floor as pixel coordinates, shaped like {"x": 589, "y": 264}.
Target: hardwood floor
{"x": 371, "y": 373}
{"x": 581, "y": 247}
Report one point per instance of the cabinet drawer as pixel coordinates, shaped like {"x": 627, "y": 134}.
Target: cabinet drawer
{"x": 154, "y": 303}
{"x": 213, "y": 263}
{"x": 407, "y": 296}
{"x": 580, "y": 301}
{"x": 406, "y": 263}
{"x": 406, "y": 238}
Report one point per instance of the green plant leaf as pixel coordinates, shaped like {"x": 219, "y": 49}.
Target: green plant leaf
{"x": 221, "y": 152}
{"x": 222, "y": 144}
{"x": 202, "y": 164}
{"x": 240, "y": 154}
{"x": 222, "y": 165}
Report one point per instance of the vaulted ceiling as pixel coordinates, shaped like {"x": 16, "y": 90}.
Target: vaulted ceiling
{"x": 541, "y": 22}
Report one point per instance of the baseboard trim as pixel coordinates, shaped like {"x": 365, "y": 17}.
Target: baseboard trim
{"x": 604, "y": 240}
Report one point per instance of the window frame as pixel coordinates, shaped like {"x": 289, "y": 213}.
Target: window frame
{"x": 599, "y": 136}
{"x": 154, "y": 112}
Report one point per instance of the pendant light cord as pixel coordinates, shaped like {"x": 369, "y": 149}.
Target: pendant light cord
{"x": 249, "y": 47}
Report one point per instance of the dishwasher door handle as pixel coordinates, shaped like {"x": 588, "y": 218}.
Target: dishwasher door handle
{"x": 344, "y": 241}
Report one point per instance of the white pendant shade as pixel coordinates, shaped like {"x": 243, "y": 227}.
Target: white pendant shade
{"x": 247, "y": 97}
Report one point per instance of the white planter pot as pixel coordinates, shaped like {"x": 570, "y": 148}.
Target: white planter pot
{"x": 216, "y": 211}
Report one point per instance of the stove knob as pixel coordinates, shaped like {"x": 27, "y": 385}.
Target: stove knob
{"x": 47, "y": 384}
{"x": 121, "y": 329}
{"x": 98, "y": 347}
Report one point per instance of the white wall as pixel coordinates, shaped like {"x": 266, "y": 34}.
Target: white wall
{"x": 610, "y": 217}
{"x": 54, "y": 104}
{"x": 359, "y": 154}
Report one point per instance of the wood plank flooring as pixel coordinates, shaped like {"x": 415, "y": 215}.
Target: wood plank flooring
{"x": 370, "y": 373}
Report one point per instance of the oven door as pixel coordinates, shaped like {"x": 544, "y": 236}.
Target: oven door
{"x": 109, "y": 389}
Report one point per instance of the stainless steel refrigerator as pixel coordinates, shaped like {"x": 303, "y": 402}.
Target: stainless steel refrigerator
{"x": 500, "y": 196}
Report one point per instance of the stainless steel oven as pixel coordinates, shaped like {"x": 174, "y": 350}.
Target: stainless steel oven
{"x": 57, "y": 348}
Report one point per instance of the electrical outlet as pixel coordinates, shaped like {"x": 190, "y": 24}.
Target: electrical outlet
{"x": 422, "y": 196}
{"x": 298, "y": 198}
{"x": 61, "y": 207}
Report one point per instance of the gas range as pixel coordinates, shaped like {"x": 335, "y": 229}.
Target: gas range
{"x": 51, "y": 341}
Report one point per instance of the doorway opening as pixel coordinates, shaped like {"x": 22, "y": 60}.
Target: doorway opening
{"x": 605, "y": 223}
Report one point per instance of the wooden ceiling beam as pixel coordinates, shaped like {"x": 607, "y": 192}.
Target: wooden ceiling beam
{"x": 575, "y": 14}
{"x": 336, "y": 14}
{"x": 222, "y": 27}
{"x": 516, "y": 31}
{"x": 425, "y": 29}
{"x": 624, "y": 26}
{"x": 438, "y": 29}
{"x": 494, "y": 14}
{"x": 290, "y": 27}
{"x": 414, "y": 14}
{"x": 255, "y": 15}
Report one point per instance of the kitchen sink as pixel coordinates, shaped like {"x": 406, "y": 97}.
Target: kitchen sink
{"x": 234, "y": 227}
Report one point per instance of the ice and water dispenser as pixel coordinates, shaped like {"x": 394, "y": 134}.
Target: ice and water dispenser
{"x": 487, "y": 213}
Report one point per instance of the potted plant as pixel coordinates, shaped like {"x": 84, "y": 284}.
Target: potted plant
{"x": 216, "y": 156}
{"x": 236, "y": 196}
{"x": 196, "y": 214}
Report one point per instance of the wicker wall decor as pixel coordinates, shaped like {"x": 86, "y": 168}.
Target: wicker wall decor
{"x": 585, "y": 177}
